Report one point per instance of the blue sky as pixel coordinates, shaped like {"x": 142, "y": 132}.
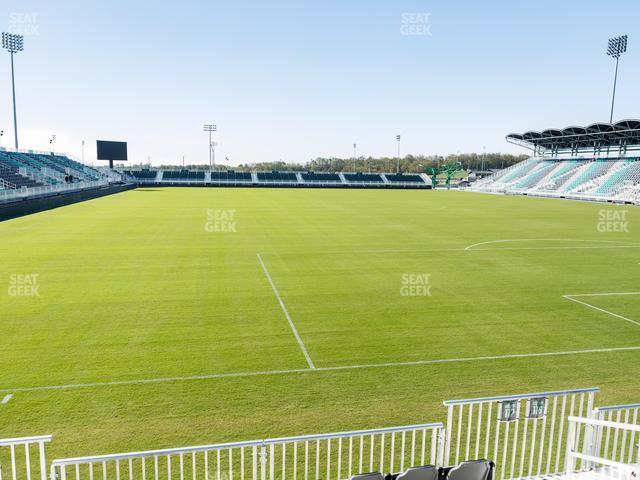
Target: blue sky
{"x": 296, "y": 80}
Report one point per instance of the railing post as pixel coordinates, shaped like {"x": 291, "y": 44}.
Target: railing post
{"x": 43, "y": 461}
{"x": 447, "y": 442}
{"x": 441, "y": 446}
{"x": 568, "y": 464}
{"x": 587, "y": 446}
{"x": 263, "y": 461}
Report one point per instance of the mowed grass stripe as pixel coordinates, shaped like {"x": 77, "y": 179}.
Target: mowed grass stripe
{"x": 215, "y": 376}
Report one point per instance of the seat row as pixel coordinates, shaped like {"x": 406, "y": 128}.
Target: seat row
{"x": 470, "y": 470}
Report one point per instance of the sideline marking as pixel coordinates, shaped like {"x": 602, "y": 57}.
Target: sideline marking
{"x": 6, "y": 399}
{"x": 573, "y": 299}
{"x": 460, "y": 249}
{"x": 319, "y": 369}
{"x": 469, "y": 247}
{"x": 286, "y": 314}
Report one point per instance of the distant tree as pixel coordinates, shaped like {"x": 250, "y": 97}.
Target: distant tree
{"x": 408, "y": 163}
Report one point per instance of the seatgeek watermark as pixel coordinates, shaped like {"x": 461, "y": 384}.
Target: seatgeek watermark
{"x": 612, "y": 221}
{"x": 24, "y": 23}
{"x": 415, "y": 24}
{"x": 220, "y": 221}
{"x": 415, "y": 285}
{"x": 24, "y": 285}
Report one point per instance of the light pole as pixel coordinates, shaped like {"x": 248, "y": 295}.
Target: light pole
{"x": 83, "y": 152}
{"x": 484, "y": 156}
{"x": 14, "y": 44}
{"x": 398, "y": 164}
{"x": 52, "y": 143}
{"x": 616, "y": 47}
{"x": 1, "y": 135}
{"x": 354, "y": 157}
{"x": 212, "y": 160}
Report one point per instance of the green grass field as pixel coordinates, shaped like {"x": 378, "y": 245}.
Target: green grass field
{"x": 134, "y": 287}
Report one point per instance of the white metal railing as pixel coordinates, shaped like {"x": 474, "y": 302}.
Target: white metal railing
{"x": 586, "y": 450}
{"x": 16, "y": 458}
{"x": 526, "y": 435}
{"x": 47, "y": 189}
{"x": 325, "y": 456}
{"x": 523, "y": 434}
{"x": 623, "y": 446}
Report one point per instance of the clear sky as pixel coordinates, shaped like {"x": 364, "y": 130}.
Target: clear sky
{"x": 293, "y": 80}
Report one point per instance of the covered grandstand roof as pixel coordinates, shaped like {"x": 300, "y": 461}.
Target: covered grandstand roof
{"x": 597, "y": 135}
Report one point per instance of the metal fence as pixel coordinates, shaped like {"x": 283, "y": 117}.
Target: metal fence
{"x": 526, "y": 435}
{"x": 49, "y": 189}
{"x": 325, "y": 456}
{"x": 23, "y": 458}
{"x": 522, "y": 434}
{"x": 622, "y": 445}
{"x": 585, "y": 449}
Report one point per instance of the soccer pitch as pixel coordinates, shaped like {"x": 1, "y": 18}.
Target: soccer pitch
{"x": 165, "y": 317}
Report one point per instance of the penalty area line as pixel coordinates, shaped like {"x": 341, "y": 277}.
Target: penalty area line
{"x": 320, "y": 369}
{"x": 286, "y": 314}
{"x": 573, "y": 299}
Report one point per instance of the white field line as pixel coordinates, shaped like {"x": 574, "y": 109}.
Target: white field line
{"x": 602, "y": 294}
{"x": 286, "y": 314}
{"x": 573, "y": 299}
{"x": 429, "y": 250}
{"x": 628, "y": 244}
{"x": 319, "y": 369}
{"x": 6, "y": 399}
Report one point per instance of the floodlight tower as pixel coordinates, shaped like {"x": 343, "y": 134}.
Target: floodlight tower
{"x": 14, "y": 44}
{"x": 616, "y": 47}
{"x": 355, "y": 146}
{"x": 211, "y": 129}
{"x": 398, "y": 165}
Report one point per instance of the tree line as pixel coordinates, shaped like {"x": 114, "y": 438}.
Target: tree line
{"x": 407, "y": 164}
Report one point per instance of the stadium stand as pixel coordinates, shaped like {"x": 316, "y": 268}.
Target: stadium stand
{"x": 403, "y": 178}
{"x": 602, "y": 179}
{"x": 142, "y": 174}
{"x": 363, "y": 178}
{"x": 187, "y": 175}
{"x": 231, "y": 176}
{"x": 321, "y": 177}
{"x": 587, "y": 163}
{"x": 27, "y": 173}
{"x": 12, "y": 179}
{"x": 277, "y": 177}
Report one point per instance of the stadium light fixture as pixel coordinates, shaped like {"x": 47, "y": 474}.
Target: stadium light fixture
{"x": 354, "y": 157}
{"x": 616, "y": 47}
{"x": 212, "y": 160}
{"x": 398, "y": 162}
{"x": 13, "y": 43}
{"x": 52, "y": 142}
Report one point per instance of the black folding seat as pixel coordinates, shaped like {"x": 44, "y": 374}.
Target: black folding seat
{"x": 472, "y": 470}
{"x": 426, "y": 472}
{"x": 368, "y": 476}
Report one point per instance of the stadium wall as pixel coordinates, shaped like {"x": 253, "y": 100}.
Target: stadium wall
{"x": 27, "y": 206}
